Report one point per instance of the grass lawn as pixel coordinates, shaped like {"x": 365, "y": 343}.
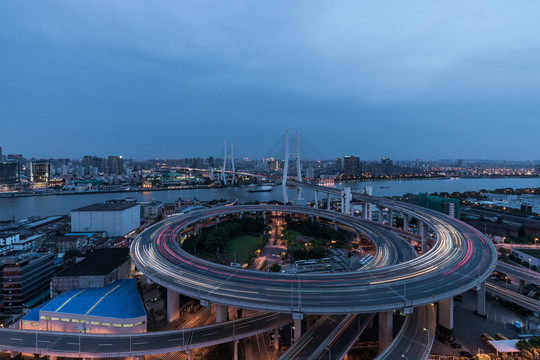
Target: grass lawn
{"x": 291, "y": 235}
{"x": 243, "y": 246}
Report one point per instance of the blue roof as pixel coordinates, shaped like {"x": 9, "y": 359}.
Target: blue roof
{"x": 88, "y": 234}
{"x": 118, "y": 300}
{"x": 33, "y": 315}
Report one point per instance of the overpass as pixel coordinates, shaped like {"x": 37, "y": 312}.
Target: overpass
{"x": 461, "y": 258}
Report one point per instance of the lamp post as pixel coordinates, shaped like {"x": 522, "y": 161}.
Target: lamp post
{"x": 427, "y": 335}
{"x": 403, "y": 356}
{"x": 329, "y": 353}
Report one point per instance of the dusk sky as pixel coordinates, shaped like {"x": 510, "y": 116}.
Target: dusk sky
{"x": 172, "y": 79}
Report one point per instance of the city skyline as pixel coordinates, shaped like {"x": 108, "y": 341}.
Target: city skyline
{"x": 404, "y": 81}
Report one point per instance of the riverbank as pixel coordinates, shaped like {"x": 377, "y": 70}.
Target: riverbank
{"x": 93, "y": 192}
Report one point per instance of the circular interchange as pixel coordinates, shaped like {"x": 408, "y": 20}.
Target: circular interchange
{"x": 460, "y": 259}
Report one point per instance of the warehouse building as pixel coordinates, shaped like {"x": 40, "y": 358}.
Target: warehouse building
{"x": 98, "y": 269}
{"x": 114, "y": 309}
{"x": 115, "y": 217}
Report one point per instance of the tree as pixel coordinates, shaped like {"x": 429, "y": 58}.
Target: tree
{"x": 275, "y": 268}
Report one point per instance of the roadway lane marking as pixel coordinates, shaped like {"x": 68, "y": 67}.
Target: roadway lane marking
{"x": 105, "y": 344}
{"x": 73, "y": 343}
{"x": 47, "y": 341}
{"x": 178, "y": 339}
{"x": 15, "y": 339}
{"x": 212, "y": 333}
{"x": 141, "y": 343}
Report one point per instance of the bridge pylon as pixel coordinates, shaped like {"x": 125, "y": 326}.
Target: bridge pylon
{"x": 294, "y": 156}
{"x": 224, "y": 167}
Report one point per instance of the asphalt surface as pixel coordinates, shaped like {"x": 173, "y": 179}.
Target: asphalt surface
{"x": 108, "y": 345}
{"x": 461, "y": 258}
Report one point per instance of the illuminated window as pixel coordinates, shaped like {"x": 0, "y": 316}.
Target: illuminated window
{"x": 55, "y": 318}
{"x": 65, "y": 319}
{"x": 128, "y": 325}
{"x": 44, "y": 317}
{"x": 75, "y": 320}
{"x": 94, "y": 322}
{"x": 116, "y": 325}
{"x": 105, "y": 324}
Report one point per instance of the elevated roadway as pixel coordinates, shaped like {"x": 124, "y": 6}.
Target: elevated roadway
{"x": 415, "y": 338}
{"x": 519, "y": 272}
{"x": 514, "y": 297}
{"x": 109, "y": 345}
{"x": 460, "y": 259}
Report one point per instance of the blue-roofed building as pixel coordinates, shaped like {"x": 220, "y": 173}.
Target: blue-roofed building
{"x": 116, "y": 308}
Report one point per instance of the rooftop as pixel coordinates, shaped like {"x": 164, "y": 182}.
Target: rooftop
{"x": 118, "y": 300}
{"x": 108, "y": 206}
{"x": 98, "y": 262}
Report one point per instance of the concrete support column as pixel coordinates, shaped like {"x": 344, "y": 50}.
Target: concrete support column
{"x": 276, "y": 339}
{"x": 235, "y": 342}
{"x": 335, "y": 226}
{"x": 264, "y": 217}
{"x": 342, "y": 202}
{"x": 173, "y": 305}
{"x": 481, "y": 299}
{"x": 310, "y": 321}
{"x": 316, "y": 199}
{"x": 328, "y": 201}
{"x": 51, "y": 357}
{"x": 521, "y": 287}
{"x": 189, "y": 354}
{"x": 297, "y": 329}
{"x": 423, "y": 235}
{"x": 347, "y": 199}
{"x": 196, "y": 228}
{"x": 380, "y": 215}
{"x": 217, "y": 220}
{"x": 390, "y": 214}
{"x": 446, "y": 314}
{"x": 364, "y": 211}
{"x": 221, "y": 313}
{"x": 385, "y": 329}
{"x": 406, "y": 222}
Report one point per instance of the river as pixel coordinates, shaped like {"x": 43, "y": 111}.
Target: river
{"x": 22, "y": 207}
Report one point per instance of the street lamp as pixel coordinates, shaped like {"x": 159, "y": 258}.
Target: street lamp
{"x": 329, "y": 353}
{"x": 427, "y": 335}
{"x": 403, "y": 356}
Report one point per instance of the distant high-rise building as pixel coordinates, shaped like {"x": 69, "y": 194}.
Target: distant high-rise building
{"x": 387, "y": 161}
{"x": 115, "y": 165}
{"x": 9, "y": 172}
{"x": 40, "y": 171}
{"x": 351, "y": 165}
{"x": 339, "y": 164}
{"x": 537, "y": 169}
{"x": 26, "y": 281}
{"x": 1, "y": 156}
{"x": 17, "y": 157}
{"x": 310, "y": 172}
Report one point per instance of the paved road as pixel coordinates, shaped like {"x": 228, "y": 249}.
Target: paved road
{"x": 415, "y": 338}
{"x": 519, "y": 272}
{"x": 461, "y": 258}
{"x": 514, "y": 297}
{"x": 107, "y": 345}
